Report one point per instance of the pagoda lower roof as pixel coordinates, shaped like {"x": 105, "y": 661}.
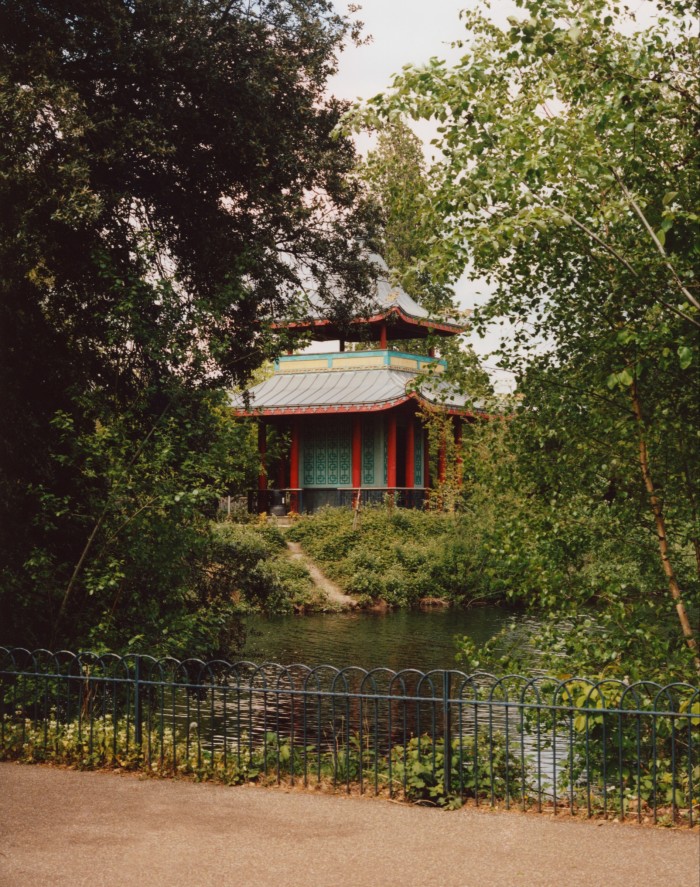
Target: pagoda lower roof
{"x": 345, "y": 391}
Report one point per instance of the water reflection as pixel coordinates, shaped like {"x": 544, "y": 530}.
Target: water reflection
{"x": 422, "y": 640}
{"x": 378, "y": 711}
{"x": 324, "y": 711}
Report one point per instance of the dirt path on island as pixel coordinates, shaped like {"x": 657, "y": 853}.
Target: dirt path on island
{"x": 332, "y": 591}
{"x": 65, "y": 828}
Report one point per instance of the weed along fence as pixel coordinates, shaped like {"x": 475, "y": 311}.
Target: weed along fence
{"x": 440, "y": 737}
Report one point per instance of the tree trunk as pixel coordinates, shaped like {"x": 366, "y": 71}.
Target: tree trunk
{"x": 660, "y": 523}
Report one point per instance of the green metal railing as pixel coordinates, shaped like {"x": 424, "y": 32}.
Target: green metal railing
{"x": 442, "y": 737}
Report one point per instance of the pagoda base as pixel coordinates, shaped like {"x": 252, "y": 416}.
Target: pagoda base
{"x": 310, "y": 500}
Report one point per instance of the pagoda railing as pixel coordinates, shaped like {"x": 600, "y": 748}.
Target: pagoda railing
{"x": 307, "y": 501}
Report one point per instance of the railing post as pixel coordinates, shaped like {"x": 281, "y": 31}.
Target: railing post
{"x": 137, "y": 704}
{"x": 447, "y": 728}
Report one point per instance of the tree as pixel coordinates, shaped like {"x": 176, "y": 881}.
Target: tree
{"x": 396, "y": 178}
{"x": 170, "y": 181}
{"x": 397, "y": 182}
{"x": 569, "y": 177}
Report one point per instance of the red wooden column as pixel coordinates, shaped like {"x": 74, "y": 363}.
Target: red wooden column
{"x": 262, "y": 475}
{"x": 410, "y": 452}
{"x": 356, "y": 457}
{"x": 383, "y": 337}
{"x": 294, "y": 468}
{"x": 391, "y": 451}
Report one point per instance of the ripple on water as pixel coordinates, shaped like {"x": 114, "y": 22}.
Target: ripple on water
{"x": 398, "y": 640}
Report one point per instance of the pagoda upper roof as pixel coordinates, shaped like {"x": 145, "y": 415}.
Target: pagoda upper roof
{"x": 391, "y": 305}
{"x": 351, "y": 384}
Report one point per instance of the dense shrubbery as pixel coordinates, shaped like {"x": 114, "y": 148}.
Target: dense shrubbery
{"x": 395, "y": 556}
{"x": 260, "y": 575}
{"x": 481, "y": 553}
{"x": 596, "y": 581}
{"x": 235, "y": 568}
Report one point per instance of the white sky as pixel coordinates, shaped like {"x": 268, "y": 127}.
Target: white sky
{"x": 412, "y": 31}
{"x": 403, "y": 32}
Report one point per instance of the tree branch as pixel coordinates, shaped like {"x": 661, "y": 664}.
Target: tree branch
{"x": 659, "y": 246}
{"x": 98, "y": 523}
{"x": 613, "y": 252}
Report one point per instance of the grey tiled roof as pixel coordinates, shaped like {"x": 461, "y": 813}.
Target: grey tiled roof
{"x": 343, "y": 390}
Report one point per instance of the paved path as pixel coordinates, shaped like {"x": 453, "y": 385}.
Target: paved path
{"x": 61, "y": 828}
{"x": 332, "y": 591}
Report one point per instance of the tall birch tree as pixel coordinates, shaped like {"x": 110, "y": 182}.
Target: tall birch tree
{"x": 569, "y": 176}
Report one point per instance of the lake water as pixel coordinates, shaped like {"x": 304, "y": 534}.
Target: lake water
{"x": 382, "y": 713}
{"x": 405, "y": 639}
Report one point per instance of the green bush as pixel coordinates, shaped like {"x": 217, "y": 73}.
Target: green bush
{"x": 395, "y": 555}
{"x": 420, "y": 766}
{"x": 252, "y": 560}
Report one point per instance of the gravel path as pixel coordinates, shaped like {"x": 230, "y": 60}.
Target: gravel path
{"x": 332, "y": 591}
{"x": 62, "y": 828}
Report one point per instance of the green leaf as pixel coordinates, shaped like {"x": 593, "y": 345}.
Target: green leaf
{"x": 626, "y": 336}
{"x": 685, "y": 356}
{"x": 625, "y": 377}
{"x": 580, "y": 723}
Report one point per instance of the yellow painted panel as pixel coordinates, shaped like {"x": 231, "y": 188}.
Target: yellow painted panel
{"x": 356, "y": 363}
{"x": 299, "y": 366}
{"x": 405, "y": 363}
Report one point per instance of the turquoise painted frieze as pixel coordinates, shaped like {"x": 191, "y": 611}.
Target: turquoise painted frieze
{"x": 345, "y": 459}
{"x": 307, "y": 454}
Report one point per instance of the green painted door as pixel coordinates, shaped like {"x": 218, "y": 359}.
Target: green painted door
{"x": 326, "y": 453}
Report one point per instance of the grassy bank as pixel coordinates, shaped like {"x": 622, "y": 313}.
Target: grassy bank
{"x": 600, "y": 603}
{"x": 253, "y": 559}
{"x": 398, "y": 557}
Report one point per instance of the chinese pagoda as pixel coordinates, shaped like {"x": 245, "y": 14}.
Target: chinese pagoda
{"x": 353, "y": 417}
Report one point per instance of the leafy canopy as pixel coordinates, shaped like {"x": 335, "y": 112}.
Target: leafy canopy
{"x": 170, "y": 181}
{"x": 568, "y": 177}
